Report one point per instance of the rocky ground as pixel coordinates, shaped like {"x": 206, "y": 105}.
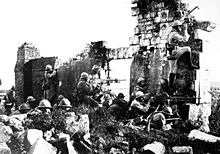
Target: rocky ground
{"x": 101, "y": 133}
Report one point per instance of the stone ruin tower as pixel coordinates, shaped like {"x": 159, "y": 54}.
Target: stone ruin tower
{"x": 29, "y": 72}
{"x": 150, "y": 60}
{"x": 25, "y": 53}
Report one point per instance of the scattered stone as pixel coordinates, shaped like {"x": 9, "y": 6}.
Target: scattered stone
{"x": 20, "y": 117}
{"x": 15, "y": 123}
{"x": 116, "y": 151}
{"x": 69, "y": 145}
{"x": 42, "y": 147}
{"x": 77, "y": 123}
{"x": 4, "y": 149}
{"x": 198, "y": 135}
{"x": 32, "y": 135}
{"x": 182, "y": 149}
{"x": 4, "y": 118}
{"x": 155, "y": 147}
{"x": 5, "y": 133}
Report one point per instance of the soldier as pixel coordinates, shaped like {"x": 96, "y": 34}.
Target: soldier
{"x": 45, "y": 106}
{"x": 10, "y": 100}
{"x": 65, "y": 104}
{"x": 84, "y": 90}
{"x": 119, "y": 106}
{"x": 139, "y": 87}
{"x": 51, "y": 84}
{"x": 138, "y": 107}
{"x": 60, "y": 98}
{"x": 31, "y": 101}
{"x": 175, "y": 38}
{"x": 24, "y": 108}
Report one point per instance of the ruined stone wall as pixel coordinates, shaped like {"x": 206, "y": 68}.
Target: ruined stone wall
{"x": 36, "y": 73}
{"x": 70, "y": 73}
{"x": 29, "y": 71}
{"x": 154, "y": 23}
{"x": 154, "y": 19}
{"x": 26, "y": 52}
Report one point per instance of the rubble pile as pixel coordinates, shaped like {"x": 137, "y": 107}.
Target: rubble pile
{"x": 97, "y": 132}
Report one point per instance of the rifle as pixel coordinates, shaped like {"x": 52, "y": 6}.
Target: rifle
{"x": 183, "y": 19}
{"x": 113, "y": 80}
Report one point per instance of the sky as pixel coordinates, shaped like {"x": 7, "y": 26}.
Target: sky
{"x": 63, "y": 28}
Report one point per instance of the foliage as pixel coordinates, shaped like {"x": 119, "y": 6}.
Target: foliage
{"x": 106, "y": 133}
{"x": 39, "y": 121}
{"x": 16, "y": 144}
{"x": 98, "y": 52}
{"x": 59, "y": 120}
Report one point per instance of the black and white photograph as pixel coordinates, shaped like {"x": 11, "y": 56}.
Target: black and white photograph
{"x": 109, "y": 77}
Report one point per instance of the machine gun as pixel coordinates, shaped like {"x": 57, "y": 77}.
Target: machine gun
{"x": 183, "y": 99}
{"x": 108, "y": 81}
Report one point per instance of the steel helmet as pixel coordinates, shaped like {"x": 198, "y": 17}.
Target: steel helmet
{"x": 167, "y": 110}
{"x": 139, "y": 94}
{"x": 30, "y": 99}
{"x": 84, "y": 75}
{"x": 177, "y": 23}
{"x": 24, "y": 106}
{"x": 44, "y": 103}
{"x": 121, "y": 95}
{"x": 140, "y": 79}
{"x": 158, "y": 120}
{"x": 48, "y": 68}
{"x": 65, "y": 103}
{"x": 60, "y": 97}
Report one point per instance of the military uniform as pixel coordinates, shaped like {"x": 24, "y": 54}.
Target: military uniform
{"x": 84, "y": 90}
{"x": 9, "y": 101}
{"x": 51, "y": 85}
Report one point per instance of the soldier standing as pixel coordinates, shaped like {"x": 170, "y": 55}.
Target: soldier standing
{"x": 10, "y": 100}
{"x": 175, "y": 38}
{"x": 51, "y": 84}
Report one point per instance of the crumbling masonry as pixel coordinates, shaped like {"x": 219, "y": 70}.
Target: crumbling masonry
{"x": 154, "y": 23}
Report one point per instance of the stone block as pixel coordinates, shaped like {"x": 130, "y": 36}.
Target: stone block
{"x": 134, "y": 40}
{"x": 134, "y": 11}
{"x": 163, "y": 15}
{"x": 145, "y": 42}
{"x": 15, "y": 123}
{"x": 31, "y": 137}
{"x": 5, "y": 133}
{"x": 20, "y": 117}
{"x": 77, "y": 123}
{"x": 155, "y": 148}
{"x": 134, "y": 1}
{"x": 42, "y": 147}
{"x": 4, "y": 118}
{"x": 137, "y": 30}
{"x": 182, "y": 149}
{"x": 202, "y": 136}
{"x": 4, "y": 149}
